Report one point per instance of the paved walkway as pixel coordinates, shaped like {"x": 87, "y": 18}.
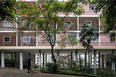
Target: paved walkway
{"x": 6, "y": 72}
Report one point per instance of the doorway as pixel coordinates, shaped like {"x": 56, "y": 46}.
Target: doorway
{"x": 9, "y": 59}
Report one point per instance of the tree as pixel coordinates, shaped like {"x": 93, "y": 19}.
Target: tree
{"x": 87, "y": 34}
{"x": 108, "y": 8}
{"x": 73, "y": 41}
{"x": 44, "y": 15}
{"x": 7, "y": 9}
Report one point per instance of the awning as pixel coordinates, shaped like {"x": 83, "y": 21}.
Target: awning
{"x": 48, "y": 47}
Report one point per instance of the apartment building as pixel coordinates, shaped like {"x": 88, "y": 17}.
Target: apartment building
{"x": 15, "y": 47}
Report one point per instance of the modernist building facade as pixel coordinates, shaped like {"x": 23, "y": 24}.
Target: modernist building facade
{"x": 14, "y": 47}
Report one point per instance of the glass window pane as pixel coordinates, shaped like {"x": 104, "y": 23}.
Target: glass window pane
{"x": 6, "y": 24}
{"x": 88, "y": 22}
{"x": 6, "y": 39}
{"x": 72, "y": 35}
{"x": 67, "y": 24}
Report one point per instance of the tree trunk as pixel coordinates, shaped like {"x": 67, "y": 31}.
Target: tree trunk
{"x": 54, "y": 67}
{"x": 89, "y": 58}
{"x": 85, "y": 59}
{"x": 53, "y": 56}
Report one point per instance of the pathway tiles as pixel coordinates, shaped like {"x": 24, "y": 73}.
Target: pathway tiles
{"x": 6, "y": 72}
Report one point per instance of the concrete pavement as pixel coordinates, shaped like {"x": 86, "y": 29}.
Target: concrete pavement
{"x": 10, "y": 72}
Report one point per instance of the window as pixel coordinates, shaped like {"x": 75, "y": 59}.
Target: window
{"x": 72, "y": 35}
{"x": 97, "y": 39}
{"x": 37, "y": 60}
{"x": 92, "y": 7}
{"x": 112, "y": 37}
{"x": 6, "y": 23}
{"x": 26, "y": 39}
{"x": 26, "y": 23}
{"x": 6, "y": 39}
{"x": 67, "y": 24}
{"x": 88, "y": 23}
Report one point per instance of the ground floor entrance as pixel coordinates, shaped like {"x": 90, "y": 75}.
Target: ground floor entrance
{"x": 10, "y": 59}
{"x": 15, "y": 59}
{"x": 18, "y": 57}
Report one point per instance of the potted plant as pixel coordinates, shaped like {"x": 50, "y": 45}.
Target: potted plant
{"x": 36, "y": 67}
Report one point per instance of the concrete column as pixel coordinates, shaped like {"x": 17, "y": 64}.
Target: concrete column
{"x": 32, "y": 59}
{"x": 71, "y": 56}
{"x": 91, "y": 60}
{"x": 78, "y": 29}
{"x": 95, "y": 58}
{"x": 90, "y": 55}
{"x": 85, "y": 58}
{"x": 99, "y": 33}
{"x": 113, "y": 63}
{"x": 79, "y": 56}
{"x": 76, "y": 56}
{"x": 102, "y": 61}
{"x": 99, "y": 55}
{"x": 43, "y": 59}
{"x": 105, "y": 60}
{"x": 21, "y": 60}
{"x": 16, "y": 32}
{"x": 39, "y": 59}
{"x": 15, "y": 60}
{"x": 37, "y": 39}
{"x": 2, "y": 59}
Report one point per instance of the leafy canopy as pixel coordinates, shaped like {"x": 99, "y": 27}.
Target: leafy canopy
{"x": 7, "y": 9}
{"x": 108, "y": 8}
{"x": 44, "y": 16}
{"x": 87, "y": 34}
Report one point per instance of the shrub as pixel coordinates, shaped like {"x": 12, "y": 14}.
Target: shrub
{"x": 52, "y": 67}
{"x": 104, "y": 73}
{"x": 36, "y": 66}
{"x": 85, "y": 69}
{"x": 44, "y": 69}
{"x": 77, "y": 68}
{"x": 71, "y": 72}
{"x": 86, "y": 74}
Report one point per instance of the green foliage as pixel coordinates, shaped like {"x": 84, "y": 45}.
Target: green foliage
{"x": 87, "y": 34}
{"x": 86, "y": 74}
{"x": 44, "y": 69}
{"x": 36, "y": 66}
{"x": 72, "y": 66}
{"x": 44, "y": 15}
{"x": 77, "y": 68}
{"x": 73, "y": 41}
{"x": 108, "y": 8}
{"x": 80, "y": 61}
{"x": 63, "y": 41}
{"x": 92, "y": 1}
{"x": 86, "y": 69}
{"x": 52, "y": 67}
{"x": 113, "y": 57}
{"x": 7, "y": 9}
{"x": 104, "y": 73}
{"x": 71, "y": 72}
